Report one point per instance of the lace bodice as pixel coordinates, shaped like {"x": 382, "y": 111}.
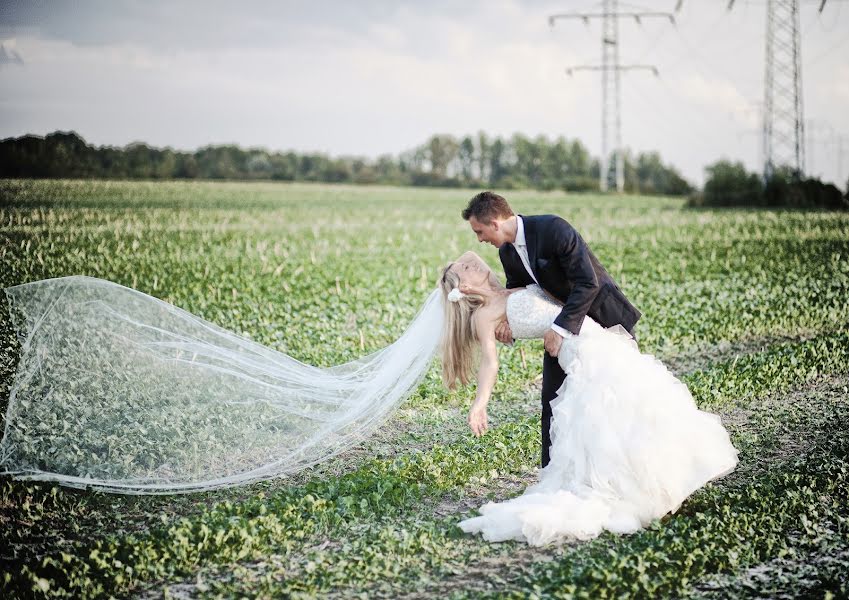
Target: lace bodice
{"x": 531, "y": 312}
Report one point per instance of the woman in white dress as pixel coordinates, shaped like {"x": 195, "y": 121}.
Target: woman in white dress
{"x": 628, "y": 443}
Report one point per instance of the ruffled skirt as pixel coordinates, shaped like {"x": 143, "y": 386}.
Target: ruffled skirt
{"x": 628, "y": 446}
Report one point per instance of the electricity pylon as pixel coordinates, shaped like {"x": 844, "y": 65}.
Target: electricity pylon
{"x": 611, "y": 97}
{"x": 784, "y": 123}
{"x": 783, "y": 138}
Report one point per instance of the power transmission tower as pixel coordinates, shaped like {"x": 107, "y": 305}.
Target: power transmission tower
{"x": 784, "y": 124}
{"x": 611, "y": 97}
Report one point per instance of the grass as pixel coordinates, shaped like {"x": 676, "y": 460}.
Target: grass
{"x": 748, "y": 306}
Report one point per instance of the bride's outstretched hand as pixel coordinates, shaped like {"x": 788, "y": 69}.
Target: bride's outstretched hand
{"x": 477, "y": 419}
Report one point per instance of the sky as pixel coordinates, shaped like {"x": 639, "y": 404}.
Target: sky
{"x": 373, "y": 77}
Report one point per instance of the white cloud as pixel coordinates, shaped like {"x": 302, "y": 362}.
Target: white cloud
{"x": 718, "y": 94}
{"x": 10, "y": 57}
{"x": 840, "y": 85}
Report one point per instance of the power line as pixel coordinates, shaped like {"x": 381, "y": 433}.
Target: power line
{"x": 834, "y": 20}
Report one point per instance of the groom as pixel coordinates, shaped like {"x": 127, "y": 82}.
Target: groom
{"x": 547, "y": 251}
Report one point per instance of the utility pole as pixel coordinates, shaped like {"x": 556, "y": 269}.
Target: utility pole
{"x": 611, "y": 97}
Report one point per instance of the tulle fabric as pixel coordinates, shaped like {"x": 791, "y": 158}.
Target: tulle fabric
{"x": 123, "y": 392}
{"x": 628, "y": 446}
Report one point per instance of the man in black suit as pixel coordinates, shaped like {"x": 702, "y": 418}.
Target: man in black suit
{"x": 547, "y": 251}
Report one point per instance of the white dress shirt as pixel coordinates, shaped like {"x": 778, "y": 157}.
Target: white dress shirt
{"x": 522, "y": 248}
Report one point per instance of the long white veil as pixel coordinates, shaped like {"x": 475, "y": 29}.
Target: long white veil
{"x": 123, "y": 392}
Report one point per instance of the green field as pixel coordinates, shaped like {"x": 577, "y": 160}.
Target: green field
{"x": 749, "y": 307}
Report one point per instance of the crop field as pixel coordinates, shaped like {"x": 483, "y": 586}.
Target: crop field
{"x": 749, "y": 307}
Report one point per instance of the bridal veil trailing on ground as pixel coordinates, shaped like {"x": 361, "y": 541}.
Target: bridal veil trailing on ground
{"x": 120, "y": 391}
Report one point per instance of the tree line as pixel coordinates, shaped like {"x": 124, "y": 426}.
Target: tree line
{"x": 443, "y": 160}
{"x": 729, "y": 184}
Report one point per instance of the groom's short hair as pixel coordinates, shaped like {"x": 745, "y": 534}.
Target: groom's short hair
{"x": 486, "y": 206}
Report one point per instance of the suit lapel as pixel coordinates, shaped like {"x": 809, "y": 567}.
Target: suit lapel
{"x": 531, "y": 243}
{"x": 514, "y": 268}
{"x": 515, "y": 263}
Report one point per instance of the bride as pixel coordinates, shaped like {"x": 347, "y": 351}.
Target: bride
{"x": 628, "y": 443}
{"x": 119, "y": 391}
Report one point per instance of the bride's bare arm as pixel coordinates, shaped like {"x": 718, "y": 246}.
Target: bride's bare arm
{"x": 487, "y": 372}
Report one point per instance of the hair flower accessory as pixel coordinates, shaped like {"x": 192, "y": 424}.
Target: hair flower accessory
{"x": 455, "y": 295}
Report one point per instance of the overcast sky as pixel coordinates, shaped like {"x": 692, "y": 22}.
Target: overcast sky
{"x": 369, "y": 77}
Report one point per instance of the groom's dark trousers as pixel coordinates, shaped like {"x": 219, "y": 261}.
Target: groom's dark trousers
{"x": 552, "y": 378}
{"x": 565, "y": 267}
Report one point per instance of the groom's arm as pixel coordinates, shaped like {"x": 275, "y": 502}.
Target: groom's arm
{"x": 573, "y": 255}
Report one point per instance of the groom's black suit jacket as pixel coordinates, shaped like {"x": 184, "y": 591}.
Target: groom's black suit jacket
{"x": 566, "y": 268}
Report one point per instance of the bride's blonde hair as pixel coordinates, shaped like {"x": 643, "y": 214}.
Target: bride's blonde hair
{"x": 459, "y": 338}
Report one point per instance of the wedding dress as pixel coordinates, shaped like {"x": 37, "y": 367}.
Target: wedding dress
{"x": 628, "y": 443}
{"x": 120, "y": 391}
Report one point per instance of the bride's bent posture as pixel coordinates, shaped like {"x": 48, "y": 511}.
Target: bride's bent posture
{"x": 628, "y": 443}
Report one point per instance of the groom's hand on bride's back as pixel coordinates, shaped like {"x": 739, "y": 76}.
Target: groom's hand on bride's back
{"x": 504, "y": 334}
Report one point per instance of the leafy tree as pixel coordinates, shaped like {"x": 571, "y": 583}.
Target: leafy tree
{"x": 579, "y": 160}
{"x": 258, "y": 165}
{"x": 656, "y": 178}
{"x": 441, "y": 152}
{"x": 728, "y": 184}
{"x": 497, "y": 168}
{"x": 483, "y": 151}
{"x": 466, "y": 156}
{"x": 186, "y": 167}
